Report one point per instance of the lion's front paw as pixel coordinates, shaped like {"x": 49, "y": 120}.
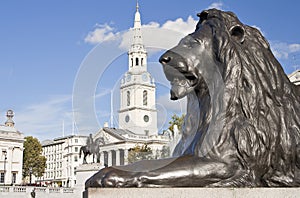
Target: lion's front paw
{"x": 96, "y": 179}
{"x": 112, "y": 177}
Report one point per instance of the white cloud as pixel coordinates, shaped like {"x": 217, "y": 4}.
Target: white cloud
{"x": 218, "y": 5}
{"x": 152, "y": 24}
{"x": 45, "y": 120}
{"x": 283, "y": 50}
{"x": 105, "y": 32}
{"x": 102, "y": 92}
{"x": 180, "y": 25}
{"x": 294, "y": 47}
{"x": 102, "y": 32}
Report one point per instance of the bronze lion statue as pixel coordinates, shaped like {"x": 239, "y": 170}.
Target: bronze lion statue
{"x": 242, "y": 124}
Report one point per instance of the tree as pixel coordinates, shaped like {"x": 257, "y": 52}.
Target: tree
{"x": 138, "y": 153}
{"x": 32, "y": 158}
{"x": 165, "y": 152}
{"x": 176, "y": 120}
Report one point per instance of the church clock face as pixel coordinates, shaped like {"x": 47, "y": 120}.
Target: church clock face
{"x": 128, "y": 78}
{"x": 145, "y": 77}
{"x": 127, "y": 118}
{"x": 146, "y": 118}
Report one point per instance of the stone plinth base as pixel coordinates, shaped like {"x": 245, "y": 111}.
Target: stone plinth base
{"x": 85, "y": 171}
{"x": 192, "y": 192}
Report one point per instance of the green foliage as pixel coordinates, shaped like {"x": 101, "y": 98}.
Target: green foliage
{"x": 32, "y": 157}
{"x": 165, "y": 152}
{"x": 176, "y": 120}
{"x": 138, "y": 153}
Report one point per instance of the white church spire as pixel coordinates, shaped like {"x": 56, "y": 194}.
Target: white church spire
{"x": 137, "y": 38}
{"x": 137, "y": 55}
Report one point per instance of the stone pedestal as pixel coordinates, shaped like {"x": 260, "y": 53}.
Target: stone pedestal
{"x": 85, "y": 171}
{"x": 192, "y": 192}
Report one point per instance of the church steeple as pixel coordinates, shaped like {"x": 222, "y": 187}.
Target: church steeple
{"x": 137, "y": 91}
{"x": 137, "y": 54}
{"x": 137, "y": 38}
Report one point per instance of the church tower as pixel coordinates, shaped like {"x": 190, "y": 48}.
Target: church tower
{"x": 137, "y": 109}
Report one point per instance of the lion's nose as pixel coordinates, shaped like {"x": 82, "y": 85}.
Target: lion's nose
{"x": 165, "y": 59}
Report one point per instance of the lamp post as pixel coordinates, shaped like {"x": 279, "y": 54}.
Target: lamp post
{"x": 5, "y": 158}
{"x": 30, "y": 173}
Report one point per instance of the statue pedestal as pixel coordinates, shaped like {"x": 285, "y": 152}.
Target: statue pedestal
{"x": 85, "y": 171}
{"x": 192, "y": 192}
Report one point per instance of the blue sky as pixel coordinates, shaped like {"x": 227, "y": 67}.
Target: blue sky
{"x": 43, "y": 45}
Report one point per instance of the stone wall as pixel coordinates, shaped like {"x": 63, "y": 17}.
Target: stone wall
{"x": 192, "y": 192}
{"x": 41, "y": 192}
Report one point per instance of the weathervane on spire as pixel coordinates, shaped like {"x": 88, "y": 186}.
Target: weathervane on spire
{"x": 137, "y": 5}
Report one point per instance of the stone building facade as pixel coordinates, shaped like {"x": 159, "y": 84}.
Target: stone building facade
{"x": 11, "y": 152}
{"x": 118, "y": 142}
{"x": 62, "y": 159}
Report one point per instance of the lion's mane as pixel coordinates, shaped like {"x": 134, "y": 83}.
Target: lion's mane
{"x": 261, "y": 130}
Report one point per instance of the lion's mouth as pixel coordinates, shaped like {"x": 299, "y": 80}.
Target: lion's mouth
{"x": 182, "y": 82}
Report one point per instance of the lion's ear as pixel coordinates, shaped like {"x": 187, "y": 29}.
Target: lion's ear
{"x": 203, "y": 15}
{"x": 238, "y": 33}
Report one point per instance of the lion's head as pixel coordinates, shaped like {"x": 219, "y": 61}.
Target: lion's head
{"x": 242, "y": 108}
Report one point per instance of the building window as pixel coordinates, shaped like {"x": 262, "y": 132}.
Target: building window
{"x": 131, "y": 62}
{"x": 136, "y": 61}
{"x": 142, "y": 62}
{"x": 14, "y": 178}
{"x": 128, "y": 98}
{"x": 145, "y": 98}
{"x": 2, "y": 178}
{"x": 76, "y": 140}
{"x": 76, "y": 149}
{"x": 76, "y": 158}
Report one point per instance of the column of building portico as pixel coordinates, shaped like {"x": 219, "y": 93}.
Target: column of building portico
{"x": 8, "y": 165}
{"x": 102, "y": 158}
{"x": 125, "y": 156}
{"x": 117, "y": 157}
{"x": 109, "y": 158}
